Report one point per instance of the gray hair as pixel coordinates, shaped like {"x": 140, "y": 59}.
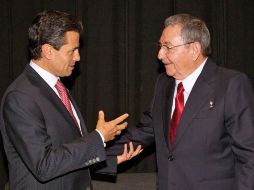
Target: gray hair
{"x": 193, "y": 30}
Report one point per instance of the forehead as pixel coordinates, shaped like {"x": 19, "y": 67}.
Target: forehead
{"x": 72, "y": 37}
{"x": 171, "y": 33}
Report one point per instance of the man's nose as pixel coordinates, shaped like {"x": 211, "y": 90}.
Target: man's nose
{"x": 76, "y": 57}
{"x": 161, "y": 54}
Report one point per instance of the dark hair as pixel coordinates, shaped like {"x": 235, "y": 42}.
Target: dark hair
{"x": 50, "y": 27}
{"x": 193, "y": 30}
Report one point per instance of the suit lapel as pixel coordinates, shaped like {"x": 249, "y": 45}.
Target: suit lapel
{"x": 47, "y": 92}
{"x": 168, "y": 94}
{"x": 82, "y": 123}
{"x": 201, "y": 93}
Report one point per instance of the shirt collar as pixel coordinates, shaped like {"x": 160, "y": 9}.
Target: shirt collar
{"x": 190, "y": 80}
{"x": 49, "y": 78}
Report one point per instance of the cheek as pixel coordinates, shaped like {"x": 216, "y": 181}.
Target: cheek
{"x": 69, "y": 59}
{"x": 174, "y": 57}
{"x": 179, "y": 59}
{"x": 175, "y": 60}
{"x": 65, "y": 60}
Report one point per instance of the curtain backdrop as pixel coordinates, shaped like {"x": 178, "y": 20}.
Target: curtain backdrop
{"x": 118, "y": 64}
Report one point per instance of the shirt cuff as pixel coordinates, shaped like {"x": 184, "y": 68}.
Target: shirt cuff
{"x": 102, "y": 138}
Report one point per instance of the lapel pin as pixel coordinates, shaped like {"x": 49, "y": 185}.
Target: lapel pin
{"x": 211, "y": 104}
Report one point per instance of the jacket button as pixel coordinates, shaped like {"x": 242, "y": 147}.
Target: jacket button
{"x": 171, "y": 158}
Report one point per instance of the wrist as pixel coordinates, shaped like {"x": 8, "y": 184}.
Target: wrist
{"x": 102, "y": 138}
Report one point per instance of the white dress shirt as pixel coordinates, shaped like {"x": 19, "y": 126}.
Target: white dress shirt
{"x": 188, "y": 84}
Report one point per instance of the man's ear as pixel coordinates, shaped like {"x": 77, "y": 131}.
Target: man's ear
{"x": 196, "y": 48}
{"x": 47, "y": 51}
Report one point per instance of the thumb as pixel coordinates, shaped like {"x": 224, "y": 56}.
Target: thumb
{"x": 101, "y": 116}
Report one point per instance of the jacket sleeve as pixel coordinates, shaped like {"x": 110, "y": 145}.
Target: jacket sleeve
{"x": 141, "y": 134}
{"x": 239, "y": 120}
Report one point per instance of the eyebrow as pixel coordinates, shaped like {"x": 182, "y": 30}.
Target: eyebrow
{"x": 167, "y": 43}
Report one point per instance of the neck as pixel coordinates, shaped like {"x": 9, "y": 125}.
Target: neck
{"x": 42, "y": 63}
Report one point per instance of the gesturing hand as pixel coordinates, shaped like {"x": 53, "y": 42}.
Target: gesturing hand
{"x": 129, "y": 155}
{"x": 111, "y": 128}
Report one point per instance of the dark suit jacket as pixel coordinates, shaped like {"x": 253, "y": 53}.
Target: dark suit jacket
{"x": 214, "y": 145}
{"x": 43, "y": 146}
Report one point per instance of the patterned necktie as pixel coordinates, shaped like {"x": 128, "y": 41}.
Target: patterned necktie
{"x": 179, "y": 105}
{"x": 65, "y": 99}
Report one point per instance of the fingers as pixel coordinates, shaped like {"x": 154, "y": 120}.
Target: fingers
{"x": 118, "y": 132}
{"x": 137, "y": 151}
{"x": 119, "y": 119}
{"x": 123, "y": 157}
{"x": 101, "y": 116}
{"x": 110, "y": 129}
{"x": 121, "y": 126}
{"x": 125, "y": 150}
{"x": 129, "y": 155}
{"x": 133, "y": 153}
{"x": 131, "y": 148}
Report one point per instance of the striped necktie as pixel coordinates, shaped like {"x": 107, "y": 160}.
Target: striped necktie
{"x": 179, "y": 105}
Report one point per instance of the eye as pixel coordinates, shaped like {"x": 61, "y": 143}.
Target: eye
{"x": 164, "y": 46}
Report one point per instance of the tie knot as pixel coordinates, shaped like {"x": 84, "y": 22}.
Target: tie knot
{"x": 180, "y": 88}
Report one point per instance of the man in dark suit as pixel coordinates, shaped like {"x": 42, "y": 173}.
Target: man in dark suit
{"x": 201, "y": 117}
{"x": 44, "y": 135}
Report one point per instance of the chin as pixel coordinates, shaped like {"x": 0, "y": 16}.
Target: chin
{"x": 65, "y": 75}
{"x": 69, "y": 73}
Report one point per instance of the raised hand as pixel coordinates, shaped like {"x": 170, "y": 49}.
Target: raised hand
{"x": 129, "y": 155}
{"x": 111, "y": 128}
